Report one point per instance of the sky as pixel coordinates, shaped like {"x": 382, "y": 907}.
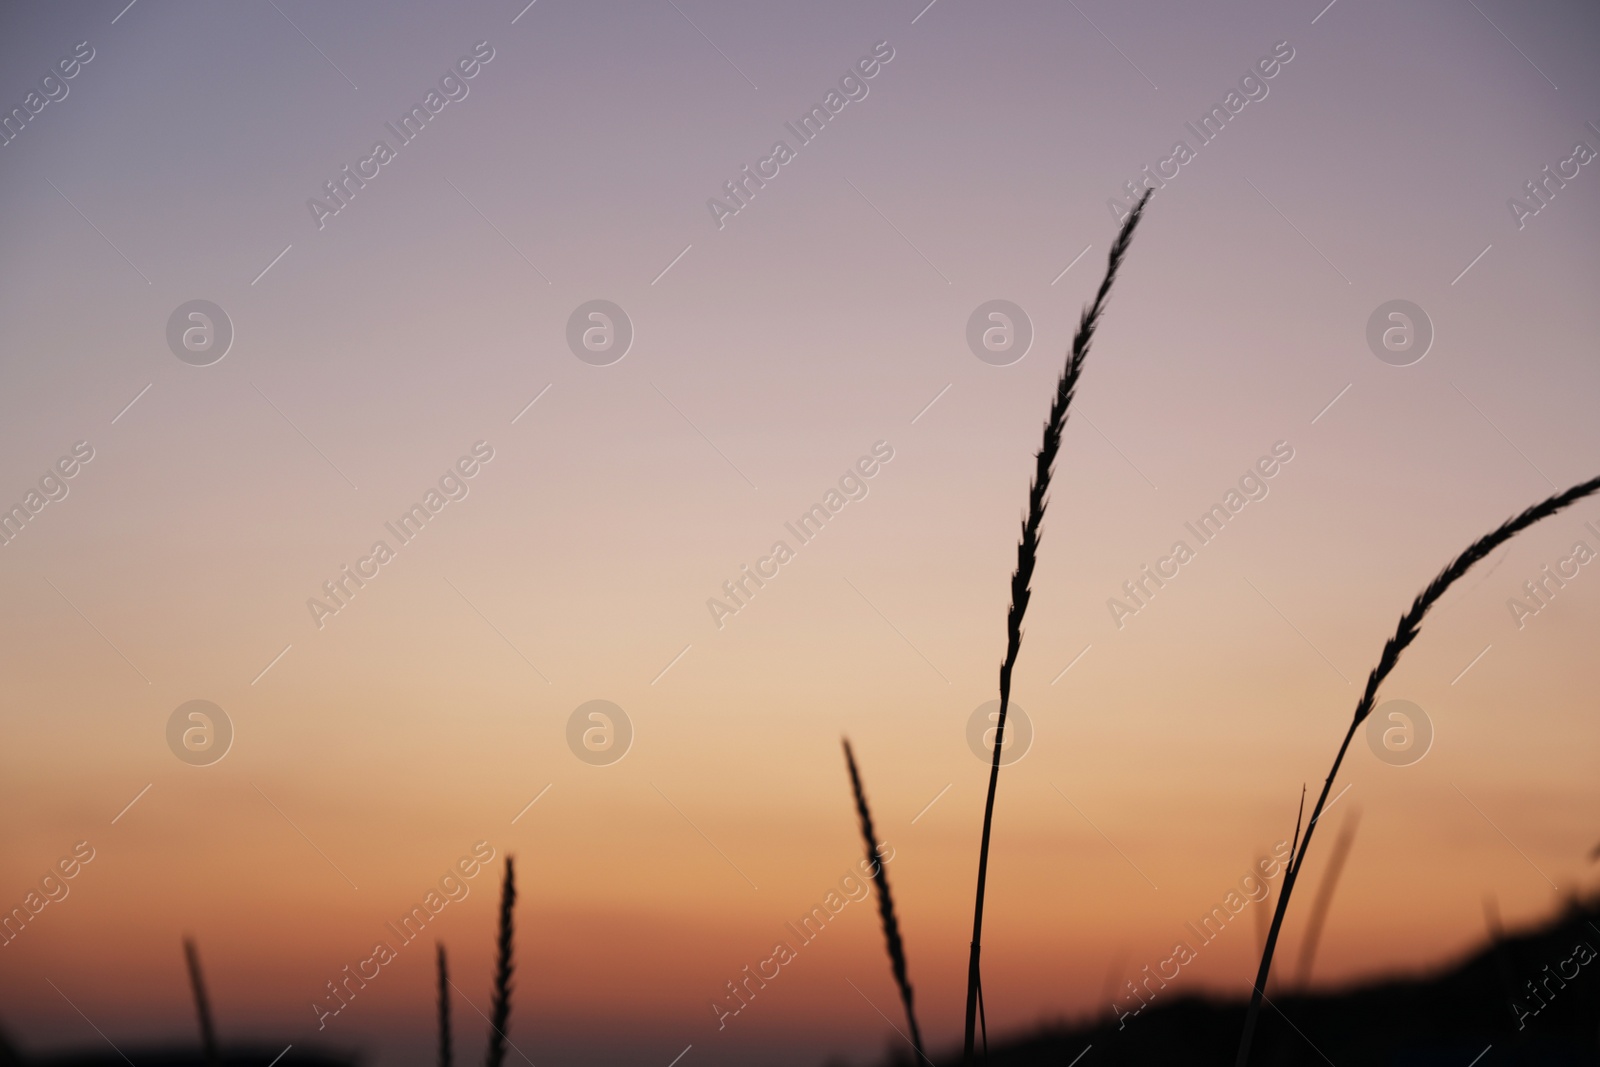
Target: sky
{"x": 426, "y": 328}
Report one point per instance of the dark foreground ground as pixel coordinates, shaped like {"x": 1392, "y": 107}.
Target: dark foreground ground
{"x": 1528, "y": 998}
{"x": 173, "y": 1056}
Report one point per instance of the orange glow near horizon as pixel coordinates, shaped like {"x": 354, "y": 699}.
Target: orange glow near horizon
{"x": 558, "y": 526}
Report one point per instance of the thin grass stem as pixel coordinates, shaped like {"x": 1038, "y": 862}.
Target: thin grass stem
{"x": 1027, "y": 557}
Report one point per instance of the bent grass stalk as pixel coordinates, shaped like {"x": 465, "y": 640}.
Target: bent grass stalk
{"x": 891, "y": 925}
{"x": 1027, "y": 556}
{"x": 1405, "y": 633}
{"x": 500, "y": 1009}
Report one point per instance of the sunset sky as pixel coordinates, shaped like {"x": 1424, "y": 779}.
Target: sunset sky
{"x": 380, "y": 351}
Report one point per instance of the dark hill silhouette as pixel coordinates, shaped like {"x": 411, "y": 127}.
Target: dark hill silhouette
{"x": 1446, "y": 1019}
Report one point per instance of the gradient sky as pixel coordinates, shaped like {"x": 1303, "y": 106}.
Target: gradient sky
{"x": 768, "y": 356}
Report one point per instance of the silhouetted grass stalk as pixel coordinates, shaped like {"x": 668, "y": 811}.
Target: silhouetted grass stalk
{"x": 500, "y": 1011}
{"x": 1027, "y": 555}
{"x": 891, "y": 925}
{"x": 445, "y": 1055}
{"x": 202, "y": 1003}
{"x": 1405, "y": 633}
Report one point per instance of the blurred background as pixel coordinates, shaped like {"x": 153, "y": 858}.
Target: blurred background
{"x": 360, "y": 354}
